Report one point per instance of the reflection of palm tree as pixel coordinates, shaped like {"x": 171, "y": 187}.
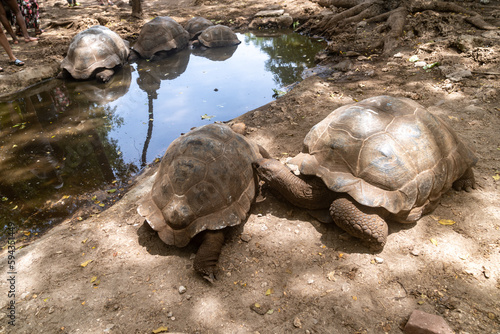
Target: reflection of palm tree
{"x": 151, "y": 74}
{"x": 150, "y": 131}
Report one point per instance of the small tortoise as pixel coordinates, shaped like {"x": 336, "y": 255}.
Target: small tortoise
{"x": 161, "y": 35}
{"x": 95, "y": 52}
{"x": 196, "y": 25}
{"x": 205, "y": 182}
{"x": 218, "y": 36}
{"x": 383, "y": 158}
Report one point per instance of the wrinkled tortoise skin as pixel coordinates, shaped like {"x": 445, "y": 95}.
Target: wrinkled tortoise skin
{"x": 93, "y": 49}
{"x": 161, "y": 34}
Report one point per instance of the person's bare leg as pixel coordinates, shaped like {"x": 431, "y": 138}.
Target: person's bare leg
{"x": 6, "y": 24}
{"x": 20, "y": 20}
{"x": 5, "y": 44}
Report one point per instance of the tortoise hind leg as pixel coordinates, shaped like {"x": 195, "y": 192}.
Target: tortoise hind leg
{"x": 208, "y": 253}
{"x": 359, "y": 222}
{"x": 465, "y": 182}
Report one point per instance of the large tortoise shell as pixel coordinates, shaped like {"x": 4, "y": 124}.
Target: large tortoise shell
{"x": 205, "y": 181}
{"x": 161, "y": 34}
{"x": 218, "y": 36}
{"x": 386, "y": 152}
{"x": 196, "y": 25}
{"x": 95, "y": 48}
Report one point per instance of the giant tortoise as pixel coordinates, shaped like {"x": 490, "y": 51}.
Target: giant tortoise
{"x": 161, "y": 35}
{"x": 383, "y": 158}
{"x": 205, "y": 183}
{"x": 95, "y": 52}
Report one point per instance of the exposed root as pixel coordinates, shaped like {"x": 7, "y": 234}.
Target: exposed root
{"x": 346, "y": 14}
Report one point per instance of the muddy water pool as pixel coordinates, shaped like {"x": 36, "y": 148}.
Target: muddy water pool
{"x": 60, "y": 139}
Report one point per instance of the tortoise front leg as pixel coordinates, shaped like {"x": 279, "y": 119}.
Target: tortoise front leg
{"x": 358, "y": 221}
{"x": 208, "y": 253}
{"x": 105, "y": 75}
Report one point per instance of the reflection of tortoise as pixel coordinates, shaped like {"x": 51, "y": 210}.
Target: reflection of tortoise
{"x": 95, "y": 52}
{"x": 383, "y": 158}
{"x": 205, "y": 183}
{"x": 218, "y": 36}
{"x": 196, "y": 25}
{"x": 161, "y": 35}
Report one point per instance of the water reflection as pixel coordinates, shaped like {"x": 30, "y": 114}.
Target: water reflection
{"x": 63, "y": 138}
{"x": 215, "y": 54}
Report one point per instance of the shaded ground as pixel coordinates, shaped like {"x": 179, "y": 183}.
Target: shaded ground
{"x": 305, "y": 277}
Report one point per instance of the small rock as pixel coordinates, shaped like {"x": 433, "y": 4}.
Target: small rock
{"x": 362, "y": 24}
{"x": 182, "y": 289}
{"x": 245, "y": 237}
{"x": 109, "y": 327}
{"x": 169, "y": 314}
{"x": 188, "y": 297}
{"x": 379, "y": 260}
{"x": 361, "y": 58}
{"x": 420, "y": 63}
{"x": 259, "y": 308}
{"x": 270, "y": 13}
{"x": 425, "y": 323}
{"x": 415, "y": 252}
{"x": 310, "y": 281}
{"x": 259, "y": 215}
{"x": 297, "y": 323}
{"x": 398, "y": 55}
{"x": 172, "y": 318}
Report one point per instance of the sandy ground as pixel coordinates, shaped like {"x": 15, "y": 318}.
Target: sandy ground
{"x": 281, "y": 271}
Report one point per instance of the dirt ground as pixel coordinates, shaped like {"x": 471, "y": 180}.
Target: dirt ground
{"x": 281, "y": 271}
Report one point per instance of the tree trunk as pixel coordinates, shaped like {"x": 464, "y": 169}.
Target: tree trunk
{"x": 136, "y": 9}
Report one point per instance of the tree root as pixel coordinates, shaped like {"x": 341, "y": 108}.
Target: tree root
{"x": 392, "y": 13}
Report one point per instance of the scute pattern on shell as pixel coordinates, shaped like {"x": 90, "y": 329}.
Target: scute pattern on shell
{"x": 218, "y": 36}
{"x": 161, "y": 34}
{"x": 196, "y": 25}
{"x": 205, "y": 181}
{"x": 386, "y": 152}
{"x": 94, "y": 48}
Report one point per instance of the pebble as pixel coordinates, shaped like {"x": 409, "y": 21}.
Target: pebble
{"x": 398, "y": 55}
{"x": 259, "y": 215}
{"x": 169, "y": 314}
{"x": 297, "y": 323}
{"x": 421, "y": 322}
{"x": 182, "y": 289}
{"x": 245, "y": 237}
{"x": 415, "y": 252}
{"x": 379, "y": 260}
{"x": 310, "y": 281}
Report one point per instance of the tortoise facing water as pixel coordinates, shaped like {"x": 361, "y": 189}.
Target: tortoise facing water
{"x": 160, "y": 36}
{"x": 218, "y": 36}
{"x": 383, "y": 158}
{"x": 205, "y": 183}
{"x": 96, "y": 51}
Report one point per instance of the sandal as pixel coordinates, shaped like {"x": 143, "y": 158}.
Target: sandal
{"x": 30, "y": 39}
{"x": 17, "y": 62}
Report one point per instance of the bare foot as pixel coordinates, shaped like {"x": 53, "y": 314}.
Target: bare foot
{"x": 30, "y": 39}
